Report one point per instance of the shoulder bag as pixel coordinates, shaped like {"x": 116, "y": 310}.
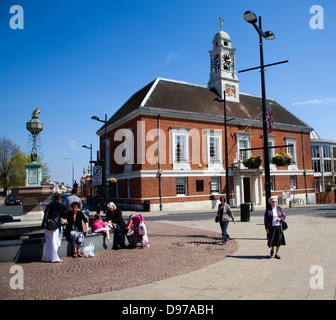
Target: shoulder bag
{"x": 284, "y": 225}
{"x": 49, "y": 224}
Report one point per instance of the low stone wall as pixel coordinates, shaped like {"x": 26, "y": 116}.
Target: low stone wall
{"x": 33, "y": 250}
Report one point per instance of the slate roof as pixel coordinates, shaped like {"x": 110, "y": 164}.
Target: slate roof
{"x": 175, "y": 96}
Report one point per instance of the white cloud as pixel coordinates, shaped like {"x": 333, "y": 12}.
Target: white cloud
{"x": 73, "y": 144}
{"x": 170, "y": 57}
{"x": 317, "y": 101}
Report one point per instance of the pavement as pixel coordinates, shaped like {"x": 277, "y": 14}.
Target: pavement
{"x": 186, "y": 262}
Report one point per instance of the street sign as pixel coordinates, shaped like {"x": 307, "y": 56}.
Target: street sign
{"x": 97, "y": 175}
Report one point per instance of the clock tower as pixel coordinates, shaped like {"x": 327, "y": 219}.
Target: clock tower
{"x": 223, "y": 75}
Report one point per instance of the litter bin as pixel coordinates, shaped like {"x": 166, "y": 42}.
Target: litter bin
{"x": 245, "y": 212}
{"x": 146, "y": 205}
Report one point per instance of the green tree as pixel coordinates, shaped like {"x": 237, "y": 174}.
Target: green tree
{"x": 12, "y": 160}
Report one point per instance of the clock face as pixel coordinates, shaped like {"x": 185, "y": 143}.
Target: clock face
{"x": 227, "y": 61}
{"x": 230, "y": 90}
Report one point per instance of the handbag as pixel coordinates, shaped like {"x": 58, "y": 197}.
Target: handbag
{"x": 217, "y": 218}
{"x": 284, "y": 225}
{"x": 49, "y": 224}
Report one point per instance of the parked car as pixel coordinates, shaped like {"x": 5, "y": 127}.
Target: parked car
{"x": 12, "y": 201}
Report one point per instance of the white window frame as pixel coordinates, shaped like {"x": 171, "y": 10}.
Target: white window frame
{"x": 290, "y": 140}
{"x": 242, "y": 136}
{"x": 215, "y": 142}
{"x": 184, "y": 133}
{"x": 292, "y": 182}
{"x": 215, "y": 181}
{"x": 216, "y": 135}
{"x": 182, "y": 181}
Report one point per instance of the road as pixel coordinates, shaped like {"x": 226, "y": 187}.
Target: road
{"x": 325, "y": 210}
{"x": 328, "y": 210}
{"x": 13, "y": 210}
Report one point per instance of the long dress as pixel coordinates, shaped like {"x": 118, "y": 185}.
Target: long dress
{"x": 55, "y": 210}
{"x": 53, "y": 241}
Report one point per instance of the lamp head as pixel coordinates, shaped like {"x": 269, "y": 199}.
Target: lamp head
{"x": 269, "y": 35}
{"x": 95, "y": 118}
{"x": 250, "y": 17}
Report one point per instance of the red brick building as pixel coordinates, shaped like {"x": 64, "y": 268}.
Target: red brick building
{"x": 166, "y": 144}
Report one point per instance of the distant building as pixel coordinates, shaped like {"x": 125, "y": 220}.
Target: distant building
{"x": 166, "y": 143}
{"x": 324, "y": 162}
{"x": 59, "y": 187}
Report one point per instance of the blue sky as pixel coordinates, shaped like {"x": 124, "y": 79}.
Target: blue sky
{"x": 78, "y": 58}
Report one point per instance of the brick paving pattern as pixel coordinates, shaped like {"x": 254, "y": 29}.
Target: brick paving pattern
{"x": 173, "y": 251}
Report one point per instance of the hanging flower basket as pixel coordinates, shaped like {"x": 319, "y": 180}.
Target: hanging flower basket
{"x": 253, "y": 162}
{"x": 111, "y": 180}
{"x": 282, "y": 159}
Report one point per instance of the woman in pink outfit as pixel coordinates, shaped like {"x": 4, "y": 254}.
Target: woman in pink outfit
{"x": 98, "y": 225}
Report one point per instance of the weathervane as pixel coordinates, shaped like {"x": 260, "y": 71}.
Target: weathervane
{"x": 221, "y": 24}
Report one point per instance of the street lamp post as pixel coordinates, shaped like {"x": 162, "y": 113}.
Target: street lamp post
{"x": 105, "y": 157}
{"x": 250, "y": 17}
{"x": 90, "y": 148}
{"x": 226, "y": 149}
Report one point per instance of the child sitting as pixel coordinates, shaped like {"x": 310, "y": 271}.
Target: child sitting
{"x": 98, "y": 225}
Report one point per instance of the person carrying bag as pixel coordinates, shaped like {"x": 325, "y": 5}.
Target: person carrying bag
{"x": 52, "y": 226}
{"x": 223, "y": 216}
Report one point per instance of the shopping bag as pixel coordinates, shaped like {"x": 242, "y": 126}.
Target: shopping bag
{"x": 145, "y": 241}
{"x": 142, "y": 228}
{"x": 89, "y": 251}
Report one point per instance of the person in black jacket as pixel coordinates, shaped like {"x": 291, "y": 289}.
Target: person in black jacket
{"x": 114, "y": 215}
{"x": 57, "y": 212}
{"x": 74, "y": 231}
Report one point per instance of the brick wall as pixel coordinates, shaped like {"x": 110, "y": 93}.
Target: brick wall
{"x": 148, "y": 187}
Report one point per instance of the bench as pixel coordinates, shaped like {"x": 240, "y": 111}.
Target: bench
{"x": 33, "y": 250}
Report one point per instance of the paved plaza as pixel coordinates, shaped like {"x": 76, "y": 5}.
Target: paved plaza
{"x": 186, "y": 262}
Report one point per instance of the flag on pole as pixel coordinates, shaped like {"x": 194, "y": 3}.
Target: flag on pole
{"x": 269, "y": 119}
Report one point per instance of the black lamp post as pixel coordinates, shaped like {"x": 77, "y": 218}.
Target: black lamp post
{"x": 90, "y": 148}
{"x": 105, "y": 157}
{"x": 226, "y": 149}
{"x": 250, "y": 17}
